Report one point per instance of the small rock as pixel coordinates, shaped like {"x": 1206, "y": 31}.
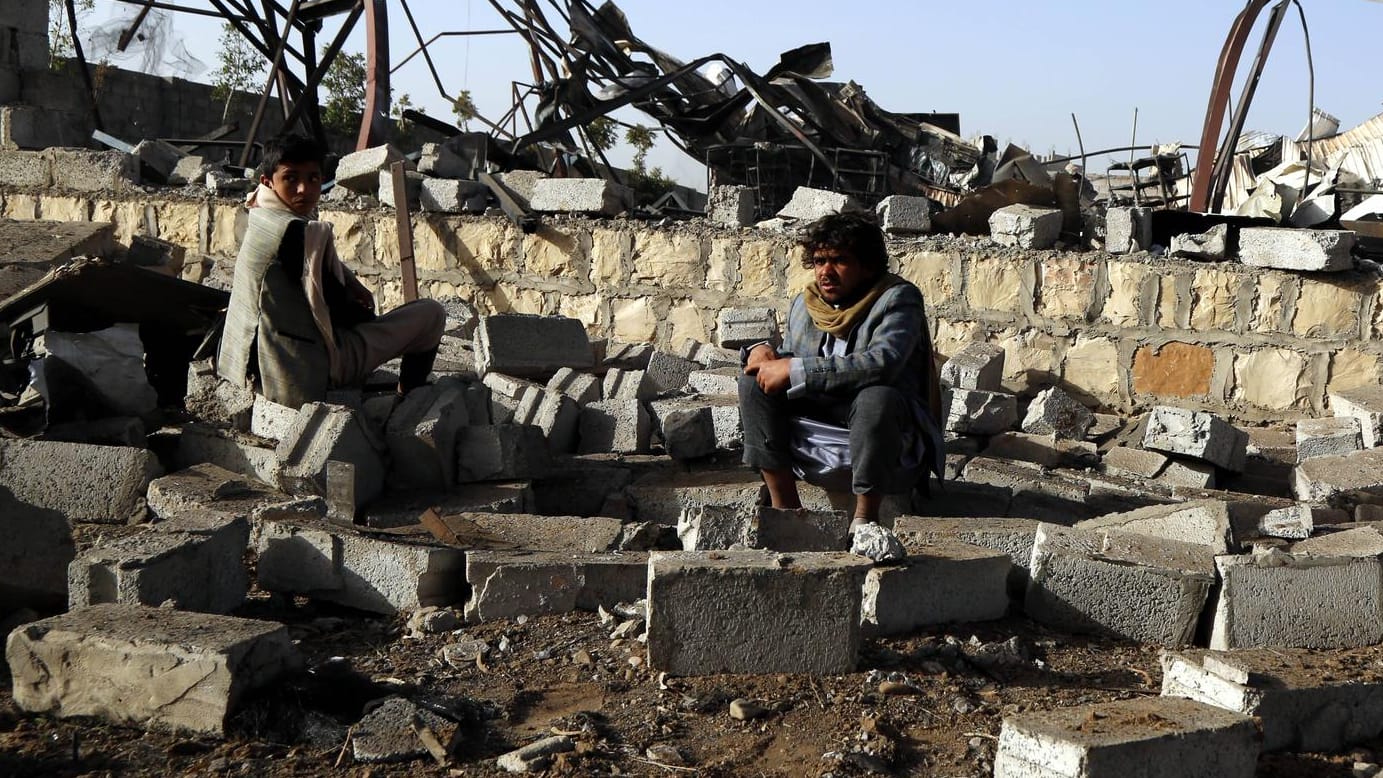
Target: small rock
{"x": 433, "y": 621}
{"x": 386, "y": 733}
{"x": 465, "y": 653}
{"x": 898, "y": 688}
{"x": 665, "y": 754}
{"x": 536, "y": 756}
{"x": 878, "y": 543}
{"x": 582, "y": 657}
{"x": 745, "y": 710}
{"x": 629, "y": 629}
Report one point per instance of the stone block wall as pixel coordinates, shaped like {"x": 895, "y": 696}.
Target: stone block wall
{"x": 1125, "y": 332}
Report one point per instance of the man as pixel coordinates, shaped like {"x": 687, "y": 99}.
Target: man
{"x": 299, "y": 321}
{"x": 853, "y": 394}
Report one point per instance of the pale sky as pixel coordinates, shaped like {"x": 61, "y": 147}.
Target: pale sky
{"x": 1014, "y": 69}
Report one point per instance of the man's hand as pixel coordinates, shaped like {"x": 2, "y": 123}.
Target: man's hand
{"x": 757, "y": 356}
{"x": 774, "y": 375}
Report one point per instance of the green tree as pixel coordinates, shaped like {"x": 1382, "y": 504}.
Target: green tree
{"x": 241, "y": 68}
{"x": 641, "y": 138}
{"x": 464, "y": 109}
{"x": 59, "y": 32}
{"x": 600, "y": 133}
{"x": 344, "y": 83}
{"x": 648, "y": 185}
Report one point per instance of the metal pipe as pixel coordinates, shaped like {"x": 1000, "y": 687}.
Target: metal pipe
{"x": 81, "y": 63}
{"x": 1224, "y": 159}
{"x": 374, "y": 127}
{"x": 274, "y": 67}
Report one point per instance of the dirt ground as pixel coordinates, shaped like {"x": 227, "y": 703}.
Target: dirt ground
{"x": 928, "y": 704}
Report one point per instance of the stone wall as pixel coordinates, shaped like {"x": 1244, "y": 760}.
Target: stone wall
{"x": 1126, "y": 332}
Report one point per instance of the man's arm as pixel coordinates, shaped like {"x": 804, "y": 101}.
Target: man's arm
{"x": 878, "y": 360}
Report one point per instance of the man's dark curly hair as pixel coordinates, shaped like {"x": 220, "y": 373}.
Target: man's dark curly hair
{"x": 291, "y": 149}
{"x": 856, "y": 233}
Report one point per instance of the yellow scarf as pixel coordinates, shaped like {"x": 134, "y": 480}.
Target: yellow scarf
{"x": 836, "y": 321}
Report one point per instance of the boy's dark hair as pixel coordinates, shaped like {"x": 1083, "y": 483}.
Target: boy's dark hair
{"x": 291, "y": 149}
{"x": 856, "y": 233}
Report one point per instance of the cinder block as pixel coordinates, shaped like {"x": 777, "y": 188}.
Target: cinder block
{"x": 522, "y": 182}
{"x": 1125, "y": 460}
{"x": 979, "y": 413}
{"x": 83, "y": 482}
{"x": 1339, "y": 481}
{"x": 1293, "y": 523}
{"x": 709, "y": 527}
{"x": 978, "y": 366}
{"x": 754, "y": 612}
{"x": 1218, "y": 525}
{"x": 739, "y": 327}
{"x": 937, "y": 584}
{"x": 1197, "y": 434}
{"x": 326, "y": 562}
{"x": 1128, "y": 230}
{"x": 532, "y": 532}
{"x": 500, "y": 452}
{"x": 1013, "y": 537}
{"x": 198, "y": 444}
{"x": 1180, "y": 473}
{"x": 706, "y": 355}
{"x": 779, "y": 529}
{"x": 25, "y": 169}
{"x": 582, "y": 388}
{"x": 1325, "y": 592}
{"x": 37, "y": 550}
{"x": 809, "y": 204}
{"x": 1025, "y": 226}
{"x": 627, "y": 385}
{"x": 1054, "y": 412}
{"x": 156, "y": 159}
{"x": 1157, "y": 737}
{"x": 1298, "y": 695}
{"x": 359, "y": 171}
{"x": 1330, "y": 437}
{"x": 731, "y": 206}
{"x": 1211, "y": 245}
{"x": 626, "y": 356}
{"x": 666, "y": 372}
{"x": 556, "y": 415}
{"x": 271, "y": 421}
{"x": 1132, "y": 586}
{"x": 146, "y": 667}
{"x": 579, "y": 195}
{"x": 1296, "y": 249}
{"x": 905, "y": 215}
{"x": 614, "y": 426}
{"x": 412, "y": 188}
{"x": 581, "y": 485}
{"x": 530, "y": 346}
{"x": 421, "y": 435}
{"x": 326, "y": 433}
{"x": 686, "y": 426}
{"x": 86, "y": 170}
{"x": 442, "y": 162}
{"x": 508, "y": 584}
{"x": 1364, "y": 403}
{"x": 660, "y": 498}
{"x": 723, "y": 381}
{"x": 1045, "y": 450}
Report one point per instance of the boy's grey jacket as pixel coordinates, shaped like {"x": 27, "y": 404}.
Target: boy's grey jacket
{"x": 890, "y": 346}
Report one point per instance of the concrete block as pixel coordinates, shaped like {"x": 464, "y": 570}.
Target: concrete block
{"x": 1330, "y": 437}
{"x": 271, "y": 421}
{"x": 905, "y": 214}
{"x": 739, "y": 327}
{"x": 731, "y": 206}
{"x": 522, "y": 182}
{"x": 500, "y": 452}
{"x": 1157, "y": 737}
{"x": 531, "y": 532}
{"x": 83, "y": 482}
{"x": 666, "y": 372}
{"x": 1340, "y": 481}
{"x": 594, "y": 196}
{"x": 194, "y": 568}
{"x": 327, "y": 562}
{"x": 975, "y": 412}
{"x": 37, "y": 550}
{"x": 706, "y": 355}
{"x": 1211, "y": 245}
{"x": 198, "y": 444}
{"x": 225, "y": 185}
{"x": 703, "y": 527}
{"x": 1025, "y": 226}
{"x": 26, "y": 169}
{"x": 190, "y": 169}
{"x": 614, "y": 426}
{"x": 1197, "y": 434}
{"x": 627, "y": 385}
{"x": 754, "y": 612}
{"x": 1132, "y": 586}
{"x": 777, "y": 529}
{"x": 1188, "y": 474}
{"x": 978, "y": 366}
{"x": 24, "y": 127}
{"x": 146, "y": 667}
{"x": 581, "y": 484}
{"x": 412, "y": 188}
{"x": 1128, "y": 230}
{"x": 441, "y": 161}
{"x": 86, "y": 170}
{"x": 1218, "y": 525}
{"x": 530, "y": 346}
{"x": 1045, "y": 450}
{"x": 360, "y": 171}
{"x": 1364, "y": 403}
{"x": 938, "y": 584}
{"x": 626, "y": 356}
{"x": 326, "y": 433}
{"x": 1294, "y": 249}
{"x": 1292, "y": 523}
{"x": 403, "y": 509}
{"x": 686, "y": 426}
{"x": 1124, "y": 460}
{"x": 1013, "y": 537}
{"x": 421, "y": 435}
{"x": 556, "y": 415}
{"x": 1054, "y": 412}
{"x": 582, "y": 388}
{"x": 205, "y": 496}
{"x": 809, "y": 204}
{"x": 722, "y": 382}
{"x": 508, "y": 584}
{"x": 157, "y": 160}
{"x": 660, "y": 498}
{"x": 1298, "y": 696}
{"x": 1323, "y": 593}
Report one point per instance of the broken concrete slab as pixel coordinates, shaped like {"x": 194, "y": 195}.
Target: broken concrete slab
{"x": 809, "y": 204}
{"x": 1364, "y": 403}
{"x": 1132, "y": 586}
{"x": 978, "y": 366}
{"x": 214, "y": 400}
{"x": 156, "y": 159}
{"x": 146, "y": 667}
{"x": 1330, "y": 437}
{"x": 1298, "y": 695}
{"x": 1330, "y": 596}
{"x": 509, "y": 584}
{"x": 325, "y": 433}
{"x": 975, "y": 412}
{"x": 1296, "y": 249}
{"x": 412, "y": 188}
{"x": 939, "y": 583}
{"x": 1340, "y": 481}
{"x": 1292, "y": 523}
{"x": 530, "y": 346}
{"x": 614, "y": 426}
{"x": 1211, "y": 523}
{"x": 706, "y": 355}
{"x": 386, "y": 733}
{"x": 206, "y": 496}
{"x": 1197, "y": 434}
{"x": 703, "y": 527}
{"x": 731, "y": 206}
{"x": 754, "y": 612}
{"x": 1187, "y": 474}
{"x": 1158, "y": 737}
{"x": 779, "y": 529}
{"x": 1013, "y": 537}
{"x": 1128, "y": 230}
{"x": 1025, "y": 226}
{"x": 375, "y": 574}
{"x": 85, "y": 483}
{"x": 1125, "y": 460}
{"x": 594, "y": 196}
{"x": 904, "y": 215}
{"x": 271, "y": 421}
{"x": 1054, "y": 412}
{"x": 686, "y": 426}
{"x": 532, "y": 532}
{"x": 740, "y": 327}
{"x": 360, "y": 171}
{"x": 1211, "y": 245}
